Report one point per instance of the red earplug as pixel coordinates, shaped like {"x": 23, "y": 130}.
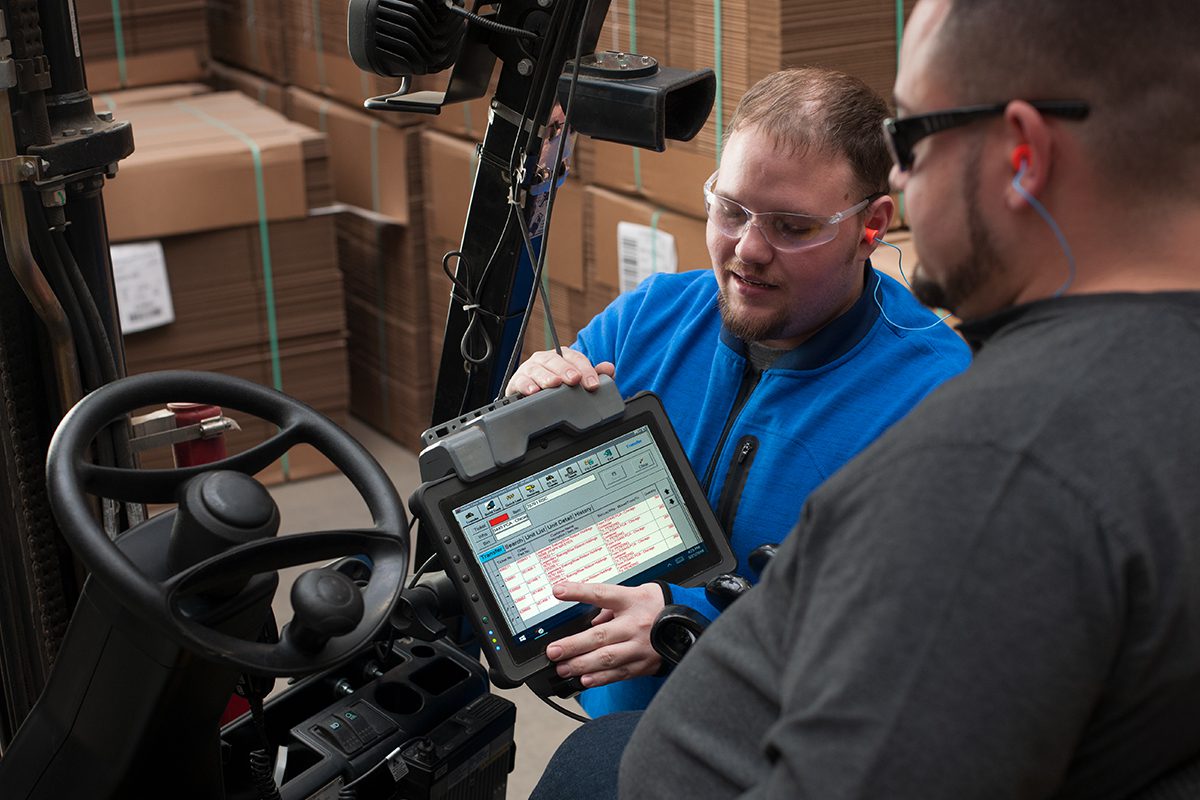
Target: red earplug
{"x": 872, "y": 234}
{"x": 1020, "y": 157}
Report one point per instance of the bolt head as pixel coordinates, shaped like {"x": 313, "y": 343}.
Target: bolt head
{"x": 525, "y": 67}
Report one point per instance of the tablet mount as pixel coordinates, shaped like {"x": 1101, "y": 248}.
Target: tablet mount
{"x": 476, "y": 445}
{"x": 641, "y": 515}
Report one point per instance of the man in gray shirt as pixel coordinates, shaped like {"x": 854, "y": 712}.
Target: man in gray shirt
{"x": 1001, "y": 597}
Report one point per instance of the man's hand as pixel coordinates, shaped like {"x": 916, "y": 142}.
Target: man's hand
{"x": 547, "y": 369}
{"x": 618, "y": 645}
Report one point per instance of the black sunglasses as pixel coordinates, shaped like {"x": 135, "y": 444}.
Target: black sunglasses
{"x": 903, "y": 133}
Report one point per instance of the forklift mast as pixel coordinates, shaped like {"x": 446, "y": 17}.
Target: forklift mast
{"x": 59, "y": 335}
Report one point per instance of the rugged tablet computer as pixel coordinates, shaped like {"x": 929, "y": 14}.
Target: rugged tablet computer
{"x": 564, "y": 485}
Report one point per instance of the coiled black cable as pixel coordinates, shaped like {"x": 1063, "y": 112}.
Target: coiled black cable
{"x": 260, "y": 775}
{"x": 490, "y": 24}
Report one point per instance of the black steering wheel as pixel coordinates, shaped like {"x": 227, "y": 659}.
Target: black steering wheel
{"x": 71, "y": 478}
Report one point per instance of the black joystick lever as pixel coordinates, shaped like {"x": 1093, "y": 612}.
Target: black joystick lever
{"x": 219, "y": 510}
{"x": 325, "y": 603}
{"x": 722, "y": 590}
{"x": 761, "y": 557}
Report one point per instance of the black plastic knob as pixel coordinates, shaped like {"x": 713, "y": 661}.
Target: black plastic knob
{"x": 325, "y": 603}
{"x": 761, "y": 557}
{"x": 722, "y": 590}
{"x": 675, "y": 630}
{"x": 219, "y": 510}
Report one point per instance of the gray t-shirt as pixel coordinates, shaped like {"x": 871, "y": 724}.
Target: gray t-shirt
{"x": 999, "y": 599}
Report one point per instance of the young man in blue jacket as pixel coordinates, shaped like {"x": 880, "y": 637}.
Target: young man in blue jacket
{"x": 776, "y": 366}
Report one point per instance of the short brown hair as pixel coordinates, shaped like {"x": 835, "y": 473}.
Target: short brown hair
{"x": 807, "y": 108}
{"x": 1134, "y": 63}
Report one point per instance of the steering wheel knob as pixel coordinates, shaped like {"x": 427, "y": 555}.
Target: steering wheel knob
{"x": 236, "y": 500}
{"x": 219, "y": 510}
{"x": 325, "y": 603}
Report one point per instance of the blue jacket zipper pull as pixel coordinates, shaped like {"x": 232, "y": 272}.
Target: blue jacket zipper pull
{"x": 745, "y": 451}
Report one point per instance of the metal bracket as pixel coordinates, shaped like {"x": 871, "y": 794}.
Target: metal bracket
{"x": 514, "y": 118}
{"x": 157, "y": 429}
{"x": 20, "y": 169}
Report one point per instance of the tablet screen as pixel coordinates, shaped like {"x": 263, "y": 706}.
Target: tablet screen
{"x": 610, "y": 514}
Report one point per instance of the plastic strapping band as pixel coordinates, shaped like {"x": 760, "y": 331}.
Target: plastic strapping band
{"x": 264, "y": 240}
{"x": 252, "y": 29}
{"x": 119, "y": 39}
{"x": 547, "y": 331}
{"x": 654, "y": 239}
{"x": 318, "y": 43}
{"x": 323, "y": 116}
{"x": 637, "y": 153}
{"x": 375, "y": 166}
{"x": 899, "y": 39}
{"x": 381, "y": 272}
{"x": 720, "y": 99}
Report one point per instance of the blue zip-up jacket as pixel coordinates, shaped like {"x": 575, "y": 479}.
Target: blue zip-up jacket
{"x": 813, "y": 410}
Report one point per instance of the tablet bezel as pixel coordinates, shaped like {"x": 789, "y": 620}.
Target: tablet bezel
{"x": 434, "y": 504}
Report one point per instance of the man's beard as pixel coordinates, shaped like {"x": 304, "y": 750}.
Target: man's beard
{"x": 750, "y": 327}
{"x": 980, "y": 265}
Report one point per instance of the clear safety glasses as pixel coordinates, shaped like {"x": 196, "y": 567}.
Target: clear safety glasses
{"x": 785, "y": 231}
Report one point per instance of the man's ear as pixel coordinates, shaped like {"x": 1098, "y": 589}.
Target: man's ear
{"x": 878, "y": 218}
{"x": 1027, "y": 152}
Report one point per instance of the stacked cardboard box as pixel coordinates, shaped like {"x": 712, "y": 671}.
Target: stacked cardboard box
{"x": 377, "y": 183}
{"x": 225, "y": 185}
{"x": 372, "y": 161}
{"x": 265, "y": 91}
{"x": 318, "y": 59}
{"x": 855, "y": 36}
{"x": 249, "y": 34}
{"x": 142, "y": 42}
{"x": 754, "y": 39}
{"x": 390, "y": 377}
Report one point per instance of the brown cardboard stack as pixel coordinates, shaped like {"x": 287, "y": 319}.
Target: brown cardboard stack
{"x": 192, "y": 185}
{"x": 250, "y": 34}
{"x": 227, "y": 78}
{"x": 637, "y": 27}
{"x": 318, "y": 58}
{"x": 391, "y": 383}
{"x": 372, "y": 161}
{"x": 377, "y": 181}
{"x": 116, "y": 102}
{"x": 755, "y": 39}
{"x": 142, "y": 42}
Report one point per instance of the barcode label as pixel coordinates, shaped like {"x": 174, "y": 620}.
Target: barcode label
{"x": 143, "y": 292}
{"x": 642, "y": 251}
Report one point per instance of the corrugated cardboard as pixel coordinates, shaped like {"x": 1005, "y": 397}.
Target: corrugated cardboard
{"x": 218, "y": 287}
{"x": 161, "y": 41}
{"x": 264, "y": 91}
{"x": 390, "y": 404}
{"x": 370, "y": 160}
{"x": 193, "y": 167}
{"x": 673, "y": 178}
{"x": 382, "y": 263}
{"x": 318, "y": 58}
{"x": 121, "y": 99}
{"x": 605, "y": 209}
{"x": 250, "y": 34}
